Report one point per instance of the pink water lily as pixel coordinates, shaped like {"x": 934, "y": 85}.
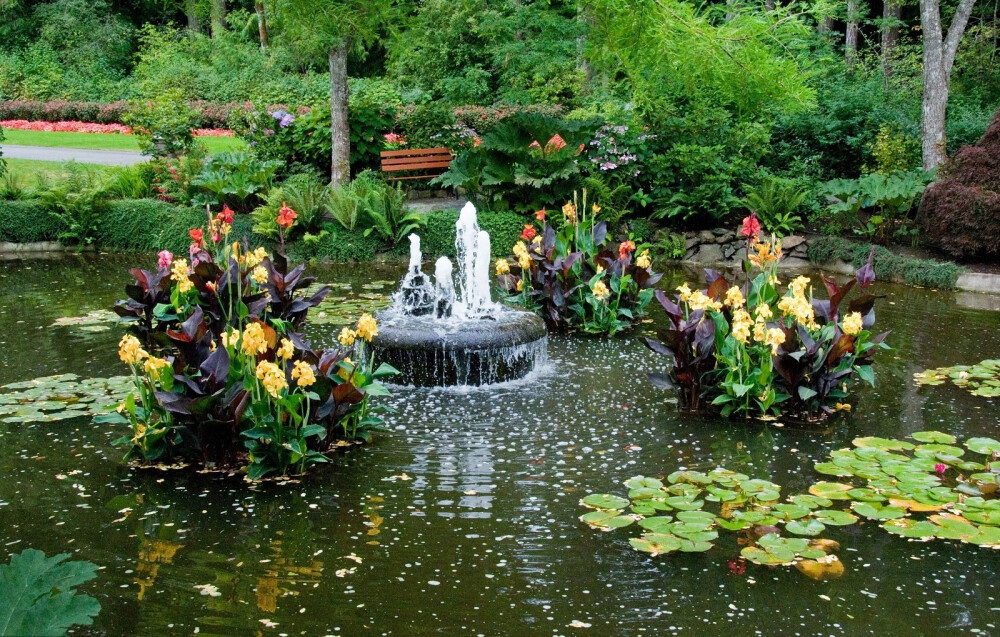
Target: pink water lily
{"x": 940, "y": 469}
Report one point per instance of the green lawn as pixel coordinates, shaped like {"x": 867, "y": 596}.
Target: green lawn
{"x": 102, "y": 141}
{"x": 26, "y": 172}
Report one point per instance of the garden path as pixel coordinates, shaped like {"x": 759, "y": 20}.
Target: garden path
{"x": 84, "y": 156}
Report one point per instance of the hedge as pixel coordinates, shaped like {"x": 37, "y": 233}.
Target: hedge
{"x": 27, "y": 222}
{"x": 437, "y": 238}
{"x": 887, "y": 264}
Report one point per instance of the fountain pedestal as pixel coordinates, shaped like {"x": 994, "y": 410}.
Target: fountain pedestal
{"x": 443, "y": 334}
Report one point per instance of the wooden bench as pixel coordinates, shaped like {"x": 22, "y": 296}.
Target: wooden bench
{"x": 430, "y": 162}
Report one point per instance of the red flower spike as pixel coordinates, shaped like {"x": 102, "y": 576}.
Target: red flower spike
{"x": 751, "y": 227}
{"x": 196, "y": 235}
{"x": 529, "y": 232}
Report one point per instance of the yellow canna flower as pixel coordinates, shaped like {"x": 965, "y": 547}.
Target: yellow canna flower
{"x": 520, "y": 285}
{"x": 153, "y": 365}
{"x": 734, "y": 297}
{"x": 179, "y": 273}
{"x": 601, "y": 290}
{"x": 367, "y": 327}
{"x": 764, "y": 311}
{"x": 741, "y": 325}
{"x": 644, "y": 261}
{"x": 287, "y": 349}
{"x": 774, "y": 338}
{"x": 685, "y": 292}
{"x": 569, "y": 211}
{"x": 271, "y": 377}
{"x": 842, "y": 407}
{"x": 700, "y": 301}
{"x": 759, "y": 330}
{"x": 254, "y": 341}
{"x": 130, "y": 350}
{"x": 502, "y": 267}
{"x": 230, "y": 337}
{"x": 303, "y": 373}
{"x": 347, "y": 336}
{"x": 259, "y": 275}
{"x": 853, "y": 323}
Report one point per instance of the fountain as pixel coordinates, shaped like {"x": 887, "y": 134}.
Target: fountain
{"x": 439, "y": 333}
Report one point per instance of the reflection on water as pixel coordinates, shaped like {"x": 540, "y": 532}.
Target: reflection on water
{"x": 463, "y": 519}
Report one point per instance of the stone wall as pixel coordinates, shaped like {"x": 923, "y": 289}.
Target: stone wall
{"x": 725, "y": 248}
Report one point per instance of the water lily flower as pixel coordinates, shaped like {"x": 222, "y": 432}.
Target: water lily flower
{"x": 940, "y": 469}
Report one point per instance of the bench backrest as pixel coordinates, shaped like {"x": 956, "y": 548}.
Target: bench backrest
{"x": 432, "y": 162}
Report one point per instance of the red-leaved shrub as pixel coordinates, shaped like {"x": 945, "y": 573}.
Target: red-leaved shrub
{"x": 960, "y": 212}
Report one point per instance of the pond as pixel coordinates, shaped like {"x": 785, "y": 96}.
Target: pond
{"x": 464, "y": 519}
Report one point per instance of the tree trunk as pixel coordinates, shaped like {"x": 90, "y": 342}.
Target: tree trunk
{"x": 939, "y": 56}
{"x": 218, "y": 17}
{"x": 851, "y": 37}
{"x": 769, "y": 5}
{"x": 826, "y": 25}
{"x": 191, "y": 9}
{"x": 258, "y": 6}
{"x": 340, "y": 128}
{"x": 891, "y": 12}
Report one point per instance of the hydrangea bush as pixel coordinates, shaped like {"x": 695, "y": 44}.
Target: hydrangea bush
{"x": 222, "y": 374}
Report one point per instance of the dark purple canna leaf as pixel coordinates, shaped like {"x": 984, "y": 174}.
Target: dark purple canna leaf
{"x": 865, "y": 275}
{"x": 174, "y": 403}
{"x": 661, "y": 381}
{"x": 216, "y": 366}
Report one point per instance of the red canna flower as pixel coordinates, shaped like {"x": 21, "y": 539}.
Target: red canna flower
{"x": 751, "y": 227}
{"x": 226, "y": 216}
{"x": 196, "y": 235}
{"x": 540, "y": 214}
{"x": 286, "y": 216}
{"x": 555, "y": 143}
{"x": 529, "y": 232}
{"x": 625, "y": 248}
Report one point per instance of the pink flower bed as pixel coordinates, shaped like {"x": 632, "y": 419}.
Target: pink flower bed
{"x": 65, "y": 127}
{"x": 87, "y": 127}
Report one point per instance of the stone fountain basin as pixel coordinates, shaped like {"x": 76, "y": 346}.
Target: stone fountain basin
{"x": 431, "y": 353}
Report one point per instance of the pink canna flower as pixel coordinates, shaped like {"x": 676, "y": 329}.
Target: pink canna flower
{"x": 166, "y": 259}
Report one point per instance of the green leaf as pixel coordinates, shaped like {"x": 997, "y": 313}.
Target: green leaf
{"x": 934, "y": 436}
{"x": 805, "y": 527}
{"x": 605, "y": 501}
{"x": 656, "y": 543}
{"x": 835, "y": 518}
{"x": 39, "y": 597}
{"x": 987, "y": 446}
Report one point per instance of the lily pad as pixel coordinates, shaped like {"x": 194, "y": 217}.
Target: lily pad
{"x": 987, "y": 446}
{"x": 835, "y": 518}
{"x": 831, "y": 490}
{"x": 605, "y": 501}
{"x": 656, "y": 543}
{"x": 935, "y": 437}
{"x": 805, "y": 527}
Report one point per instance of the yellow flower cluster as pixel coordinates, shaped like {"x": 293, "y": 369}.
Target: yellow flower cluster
{"x": 179, "y": 273}
{"x": 287, "y": 349}
{"x": 853, "y": 323}
{"x": 759, "y": 330}
{"x": 741, "y": 325}
{"x": 153, "y": 364}
{"x": 536, "y": 244}
{"x": 254, "y": 341}
{"x": 734, "y": 298}
{"x": 764, "y": 311}
{"x": 367, "y": 327}
{"x": 699, "y": 301}
{"x": 797, "y": 305}
{"x": 521, "y": 252}
{"x": 230, "y": 337}
{"x": 601, "y": 290}
{"x": 569, "y": 211}
{"x": 347, "y": 336}
{"x": 130, "y": 350}
{"x": 684, "y": 292}
{"x": 259, "y": 275}
{"x": 774, "y": 338}
{"x": 502, "y": 267}
{"x": 271, "y": 376}
{"x": 303, "y": 373}
{"x": 253, "y": 259}
{"x": 520, "y": 285}
{"x": 765, "y": 252}
{"x": 644, "y": 261}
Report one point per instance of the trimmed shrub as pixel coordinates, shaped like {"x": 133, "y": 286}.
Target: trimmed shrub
{"x": 28, "y": 221}
{"x": 150, "y": 225}
{"x": 438, "y": 235}
{"x": 960, "y": 213}
{"x": 923, "y": 272}
{"x": 338, "y": 244}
